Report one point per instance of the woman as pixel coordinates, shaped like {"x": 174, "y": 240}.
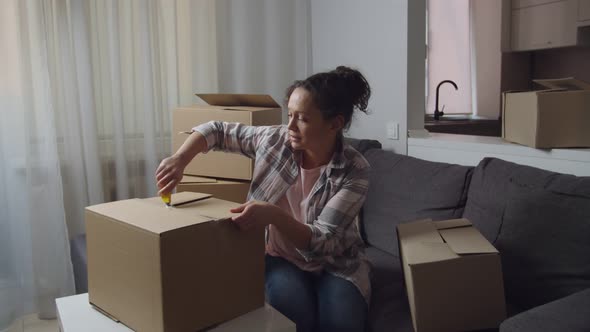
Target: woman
{"x": 307, "y": 189}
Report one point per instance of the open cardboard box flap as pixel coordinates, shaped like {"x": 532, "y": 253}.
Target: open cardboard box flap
{"x": 452, "y": 223}
{"x": 555, "y": 85}
{"x": 239, "y": 101}
{"x": 462, "y": 238}
{"x": 563, "y": 84}
{"x": 196, "y": 179}
{"x": 467, "y": 240}
{"x": 427, "y": 252}
{"x": 421, "y": 243}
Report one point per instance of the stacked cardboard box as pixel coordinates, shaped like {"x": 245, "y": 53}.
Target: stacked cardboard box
{"x": 181, "y": 268}
{"x": 557, "y": 116}
{"x": 186, "y": 267}
{"x": 224, "y": 175}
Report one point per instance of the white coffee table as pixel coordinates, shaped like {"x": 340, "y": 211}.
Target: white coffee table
{"x": 75, "y": 314}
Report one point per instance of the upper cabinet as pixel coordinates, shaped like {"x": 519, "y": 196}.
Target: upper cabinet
{"x": 584, "y": 12}
{"x": 543, "y": 24}
{"x": 516, "y": 4}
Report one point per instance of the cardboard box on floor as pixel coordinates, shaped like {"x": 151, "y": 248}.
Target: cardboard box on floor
{"x": 182, "y": 268}
{"x": 253, "y": 110}
{"x": 233, "y": 191}
{"x": 556, "y": 117}
{"x": 453, "y": 276}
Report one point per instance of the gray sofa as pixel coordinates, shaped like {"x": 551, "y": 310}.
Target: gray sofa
{"x": 538, "y": 220}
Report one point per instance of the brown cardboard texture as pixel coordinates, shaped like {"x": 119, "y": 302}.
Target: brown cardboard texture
{"x": 453, "y": 276}
{"x": 234, "y": 191}
{"x": 253, "y": 110}
{"x": 556, "y": 117}
{"x": 182, "y": 268}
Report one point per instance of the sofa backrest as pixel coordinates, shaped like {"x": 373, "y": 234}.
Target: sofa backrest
{"x": 404, "y": 189}
{"x": 362, "y": 145}
{"x": 540, "y": 223}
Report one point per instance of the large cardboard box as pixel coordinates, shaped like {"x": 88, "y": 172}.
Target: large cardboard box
{"x": 182, "y": 268}
{"x": 254, "y": 110}
{"x": 453, "y": 276}
{"x": 557, "y": 116}
{"x": 233, "y": 191}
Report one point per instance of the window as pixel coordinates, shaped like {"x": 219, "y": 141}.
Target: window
{"x": 449, "y": 56}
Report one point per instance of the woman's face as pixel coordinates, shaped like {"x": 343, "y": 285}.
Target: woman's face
{"x": 308, "y": 130}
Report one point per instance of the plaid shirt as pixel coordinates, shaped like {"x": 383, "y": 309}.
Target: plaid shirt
{"x": 334, "y": 203}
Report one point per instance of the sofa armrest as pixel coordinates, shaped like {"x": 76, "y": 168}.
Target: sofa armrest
{"x": 571, "y": 313}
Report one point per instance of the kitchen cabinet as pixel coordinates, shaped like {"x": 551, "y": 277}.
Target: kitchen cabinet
{"x": 548, "y": 25}
{"x": 529, "y": 3}
{"x": 583, "y": 12}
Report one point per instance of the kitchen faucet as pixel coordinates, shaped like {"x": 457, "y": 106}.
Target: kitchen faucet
{"x": 437, "y": 113}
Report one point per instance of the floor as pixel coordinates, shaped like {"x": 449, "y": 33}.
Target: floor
{"x": 31, "y": 323}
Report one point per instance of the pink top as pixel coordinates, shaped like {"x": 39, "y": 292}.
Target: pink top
{"x": 295, "y": 202}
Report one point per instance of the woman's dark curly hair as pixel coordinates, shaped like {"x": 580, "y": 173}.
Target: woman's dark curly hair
{"x": 336, "y": 92}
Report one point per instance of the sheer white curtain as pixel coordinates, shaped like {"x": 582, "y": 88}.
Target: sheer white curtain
{"x": 86, "y": 90}
{"x": 34, "y": 257}
{"x": 136, "y": 61}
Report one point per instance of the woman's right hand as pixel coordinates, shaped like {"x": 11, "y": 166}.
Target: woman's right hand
{"x": 169, "y": 173}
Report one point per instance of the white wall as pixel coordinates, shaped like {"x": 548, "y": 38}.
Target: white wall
{"x": 416, "y": 66}
{"x": 369, "y": 35}
{"x": 487, "y": 29}
{"x": 262, "y": 45}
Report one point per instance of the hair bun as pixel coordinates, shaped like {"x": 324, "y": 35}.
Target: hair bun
{"x": 357, "y": 86}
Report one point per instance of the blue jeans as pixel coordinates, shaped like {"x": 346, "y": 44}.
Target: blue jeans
{"x": 314, "y": 301}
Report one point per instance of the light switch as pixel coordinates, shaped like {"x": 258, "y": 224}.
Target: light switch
{"x": 392, "y": 130}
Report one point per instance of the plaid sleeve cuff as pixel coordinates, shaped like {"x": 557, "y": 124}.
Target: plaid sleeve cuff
{"x": 309, "y": 255}
{"x": 208, "y": 131}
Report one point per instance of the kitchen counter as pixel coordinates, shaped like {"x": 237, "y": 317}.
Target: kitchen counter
{"x": 469, "y": 150}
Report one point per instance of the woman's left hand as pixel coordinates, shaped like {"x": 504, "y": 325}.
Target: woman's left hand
{"x": 254, "y": 214}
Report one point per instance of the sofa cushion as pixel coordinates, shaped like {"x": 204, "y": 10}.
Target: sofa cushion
{"x": 570, "y": 314}
{"x": 389, "y": 309}
{"x": 540, "y": 223}
{"x": 487, "y": 192}
{"x": 403, "y": 189}
{"x": 544, "y": 240}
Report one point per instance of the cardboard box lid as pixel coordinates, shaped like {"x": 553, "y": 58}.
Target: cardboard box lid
{"x": 239, "y": 101}
{"x": 152, "y": 215}
{"x": 452, "y": 223}
{"x": 186, "y": 179}
{"x": 198, "y": 205}
{"x": 553, "y": 85}
{"x": 463, "y": 238}
{"x": 563, "y": 84}
{"x": 421, "y": 243}
{"x": 198, "y": 180}
{"x": 427, "y": 241}
{"x": 467, "y": 240}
